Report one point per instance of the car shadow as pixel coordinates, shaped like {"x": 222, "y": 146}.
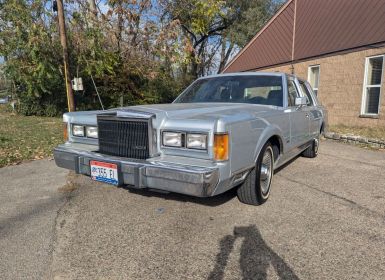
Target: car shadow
{"x": 207, "y": 201}
{"x": 255, "y": 256}
{"x": 286, "y": 164}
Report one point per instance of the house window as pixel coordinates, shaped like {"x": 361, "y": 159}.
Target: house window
{"x": 372, "y": 85}
{"x": 313, "y": 77}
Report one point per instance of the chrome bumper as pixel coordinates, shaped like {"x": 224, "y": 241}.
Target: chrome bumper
{"x": 167, "y": 176}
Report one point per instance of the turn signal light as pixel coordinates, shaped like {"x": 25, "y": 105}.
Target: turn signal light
{"x": 221, "y": 147}
{"x": 65, "y": 131}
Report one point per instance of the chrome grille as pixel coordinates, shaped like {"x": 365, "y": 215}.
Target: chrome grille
{"x": 124, "y": 137}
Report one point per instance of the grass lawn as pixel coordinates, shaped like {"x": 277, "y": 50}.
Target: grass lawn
{"x": 374, "y": 133}
{"x": 27, "y": 138}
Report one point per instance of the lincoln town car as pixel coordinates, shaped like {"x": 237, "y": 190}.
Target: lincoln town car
{"x": 222, "y": 132}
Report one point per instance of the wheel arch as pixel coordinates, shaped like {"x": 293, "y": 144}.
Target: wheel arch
{"x": 276, "y": 142}
{"x": 322, "y": 129}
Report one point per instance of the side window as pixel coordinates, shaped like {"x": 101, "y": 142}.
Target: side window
{"x": 292, "y": 93}
{"x": 304, "y": 88}
{"x": 372, "y": 85}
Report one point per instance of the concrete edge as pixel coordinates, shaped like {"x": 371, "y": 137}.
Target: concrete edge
{"x": 355, "y": 139}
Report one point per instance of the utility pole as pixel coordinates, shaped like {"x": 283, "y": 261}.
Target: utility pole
{"x": 63, "y": 40}
{"x": 93, "y": 9}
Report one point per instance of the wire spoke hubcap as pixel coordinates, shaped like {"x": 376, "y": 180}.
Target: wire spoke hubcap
{"x": 264, "y": 173}
{"x": 266, "y": 170}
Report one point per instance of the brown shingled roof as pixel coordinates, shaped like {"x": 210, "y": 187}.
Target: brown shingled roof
{"x": 318, "y": 27}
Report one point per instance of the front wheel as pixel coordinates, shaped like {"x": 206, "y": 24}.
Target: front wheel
{"x": 255, "y": 190}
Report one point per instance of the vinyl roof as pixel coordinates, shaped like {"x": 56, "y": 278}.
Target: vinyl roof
{"x": 303, "y": 29}
{"x": 275, "y": 74}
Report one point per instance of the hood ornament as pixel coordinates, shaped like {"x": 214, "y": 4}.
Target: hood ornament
{"x": 130, "y": 113}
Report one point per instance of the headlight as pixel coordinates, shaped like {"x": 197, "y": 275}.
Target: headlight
{"x": 196, "y": 141}
{"x": 172, "y": 139}
{"x": 78, "y": 130}
{"x": 92, "y": 131}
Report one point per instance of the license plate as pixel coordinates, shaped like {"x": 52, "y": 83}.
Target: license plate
{"x": 104, "y": 172}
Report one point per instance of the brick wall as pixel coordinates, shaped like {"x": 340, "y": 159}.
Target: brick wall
{"x": 341, "y": 85}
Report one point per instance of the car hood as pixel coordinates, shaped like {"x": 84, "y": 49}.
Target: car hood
{"x": 183, "y": 113}
{"x": 205, "y": 111}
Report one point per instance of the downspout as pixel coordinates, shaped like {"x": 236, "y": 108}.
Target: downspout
{"x": 293, "y": 39}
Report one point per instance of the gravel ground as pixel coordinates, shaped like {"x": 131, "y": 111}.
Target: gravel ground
{"x": 325, "y": 219}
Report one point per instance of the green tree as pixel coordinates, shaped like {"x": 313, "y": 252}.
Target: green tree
{"x": 252, "y": 17}
{"x": 32, "y": 52}
{"x": 216, "y": 28}
{"x": 136, "y": 51}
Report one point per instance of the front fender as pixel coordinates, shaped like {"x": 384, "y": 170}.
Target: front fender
{"x": 269, "y": 132}
{"x": 247, "y": 140}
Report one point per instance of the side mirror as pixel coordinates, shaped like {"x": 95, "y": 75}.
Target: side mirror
{"x": 300, "y": 101}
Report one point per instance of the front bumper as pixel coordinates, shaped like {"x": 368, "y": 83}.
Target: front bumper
{"x": 161, "y": 174}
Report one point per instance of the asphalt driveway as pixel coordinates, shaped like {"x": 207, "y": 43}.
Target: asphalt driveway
{"x": 325, "y": 219}
{"x": 30, "y": 198}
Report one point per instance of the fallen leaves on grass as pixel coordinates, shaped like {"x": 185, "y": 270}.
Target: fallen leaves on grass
{"x": 27, "y": 138}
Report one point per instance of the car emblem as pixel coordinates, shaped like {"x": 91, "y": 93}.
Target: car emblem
{"x": 140, "y": 147}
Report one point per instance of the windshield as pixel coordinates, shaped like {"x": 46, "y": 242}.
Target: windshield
{"x": 264, "y": 89}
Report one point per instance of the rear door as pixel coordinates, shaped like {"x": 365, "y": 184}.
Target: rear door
{"x": 299, "y": 117}
{"x": 315, "y": 115}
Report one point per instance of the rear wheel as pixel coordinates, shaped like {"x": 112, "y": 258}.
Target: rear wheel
{"x": 255, "y": 190}
{"x": 312, "y": 150}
